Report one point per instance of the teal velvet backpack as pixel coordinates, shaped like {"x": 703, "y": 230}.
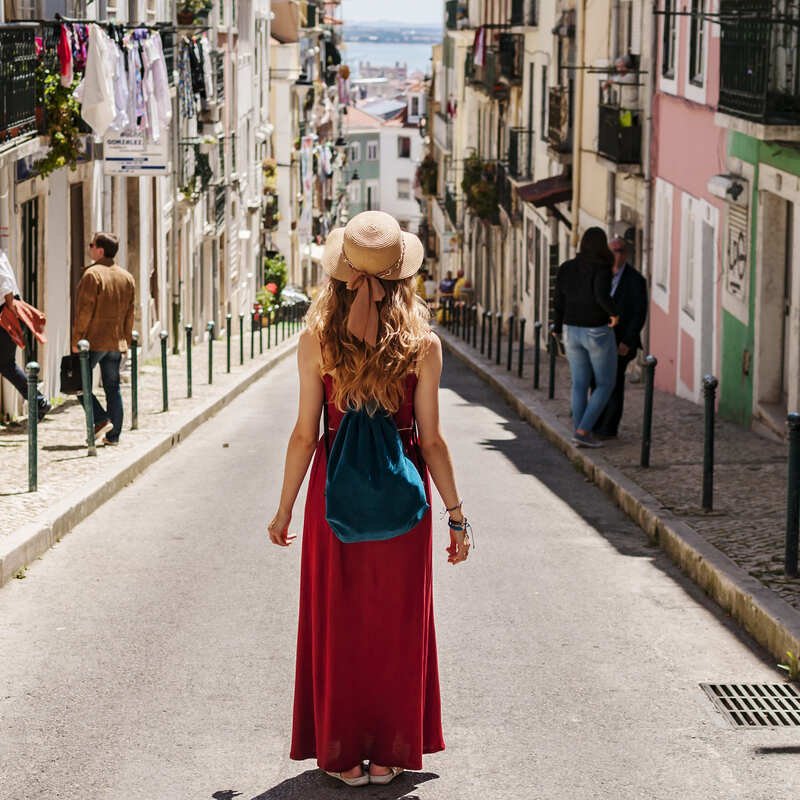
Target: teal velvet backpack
{"x": 373, "y": 490}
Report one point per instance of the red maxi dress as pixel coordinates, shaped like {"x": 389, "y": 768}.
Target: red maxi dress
{"x": 366, "y": 682}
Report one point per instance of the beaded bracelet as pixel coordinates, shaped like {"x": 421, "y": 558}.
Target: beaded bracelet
{"x": 462, "y": 527}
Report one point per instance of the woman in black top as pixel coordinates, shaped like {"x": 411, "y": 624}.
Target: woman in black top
{"x": 585, "y": 310}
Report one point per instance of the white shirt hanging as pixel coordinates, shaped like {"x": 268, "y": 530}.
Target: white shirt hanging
{"x": 96, "y": 91}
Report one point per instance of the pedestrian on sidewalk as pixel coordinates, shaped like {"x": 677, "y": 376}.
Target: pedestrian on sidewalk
{"x": 430, "y": 289}
{"x": 104, "y": 317}
{"x": 586, "y": 312}
{"x": 11, "y": 309}
{"x": 366, "y": 683}
{"x": 629, "y": 290}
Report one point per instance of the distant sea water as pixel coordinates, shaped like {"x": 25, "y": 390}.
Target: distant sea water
{"x": 387, "y": 54}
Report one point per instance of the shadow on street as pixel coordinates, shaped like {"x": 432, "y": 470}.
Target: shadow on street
{"x": 313, "y": 784}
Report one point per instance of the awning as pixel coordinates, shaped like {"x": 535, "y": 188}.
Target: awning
{"x": 547, "y": 192}
{"x": 285, "y": 25}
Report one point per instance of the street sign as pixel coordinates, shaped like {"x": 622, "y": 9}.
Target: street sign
{"x": 135, "y": 155}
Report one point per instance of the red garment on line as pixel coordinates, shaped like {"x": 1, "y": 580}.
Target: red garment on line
{"x": 367, "y": 680}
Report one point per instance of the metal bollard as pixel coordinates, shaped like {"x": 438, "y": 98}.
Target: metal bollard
{"x": 164, "y": 388}
{"x": 710, "y": 384}
{"x": 228, "y": 334}
{"x": 510, "y": 354}
{"x": 475, "y": 327}
{"x": 252, "y": 334}
{"x": 241, "y": 338}
{"x": 499, "y": 336}
{"x": 86, "y": 385}
{"x": 793, "y": 497}
{"x": 490, "y": 317}
{"x": 483, "y": 331}
{"x": 260, "y": 334}
{"x": 283, "y": 323}
{"x": 552, "y": 349}
{"x": 210, "y": 329}
{"x": 269, "y": 329}
{"x": 32, "y": 369}
{"x": 134, "y": 380}
{"x": 466, "y": 314}
{"x": 537, "y": 352}
{"x": 650, "y": 363}
{"x": 521, "y": 352}
{"x": 188, "y": 329}
{"x": 456, "y": 318}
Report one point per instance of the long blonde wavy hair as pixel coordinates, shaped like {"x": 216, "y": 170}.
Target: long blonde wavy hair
{"x": 365, "y": 375}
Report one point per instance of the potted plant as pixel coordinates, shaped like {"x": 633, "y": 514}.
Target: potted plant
{"x": 191, "y": 10}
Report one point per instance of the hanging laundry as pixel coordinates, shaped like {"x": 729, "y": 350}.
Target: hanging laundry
{"x": 96, "y": 91}
{"x": 208, "y": 76}
{"x": 479, "y": 47}
{"x": 64, "y": 50}
{"x": 154, "y": 51}
{"x": 186, "y": 103}
{"x": 121, "y": 120}
{"x": 79, "y": 35}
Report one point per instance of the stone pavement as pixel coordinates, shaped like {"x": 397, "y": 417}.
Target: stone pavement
{"x": 65, "y": 467}
{"x": 750, "y": 482}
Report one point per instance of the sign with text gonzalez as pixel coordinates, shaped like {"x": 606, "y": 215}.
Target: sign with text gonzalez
{"x": 135, "y": 155}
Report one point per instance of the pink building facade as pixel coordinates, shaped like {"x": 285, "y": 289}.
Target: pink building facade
{"x": 687, "y": 150}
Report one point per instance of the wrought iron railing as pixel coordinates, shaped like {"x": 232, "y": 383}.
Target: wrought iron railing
{"x": 483, "y": 75}
{"x": 219, "y": 76}
{"x": 168, "y": 45}
{"x": 505, "y": 196}
{"x": 451, "y": 205}
{"x": 760, "y": 60}
{"x": 520, "y": 153}
{"x": 219, "y": 204}
{"x": 512, "y": 56}
{"x": 17, "y": 81}
{"x": 619, "y": 127}
{"x": 559, "y": 124}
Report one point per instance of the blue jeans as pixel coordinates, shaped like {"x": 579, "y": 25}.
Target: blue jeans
{"x": 590, "y": 352}
{"x": 109, "y": 362}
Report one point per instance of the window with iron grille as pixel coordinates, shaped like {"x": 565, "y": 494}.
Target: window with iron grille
{"x": 404, "y": 147}
{"x": 697, "y": 44}
{"x": 403, "y": 189}
{"x": 669, "y": 40}
{"x": 544, "y": 102}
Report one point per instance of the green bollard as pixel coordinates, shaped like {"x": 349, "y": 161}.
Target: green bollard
{"x": 86, "y": 381}
{"x": 164, "y": 387}
{"x": 793, "y": 497}
{"x": 521, "y": 353}
{"x": 283, "y": 323}
{"x": 510, "y": 355}
{"x": 33, "y": 426}
{"x": 269, "y": 329}
{"x": 252, "y": 334}
{"x": 134, "y": 380}
{"x": 499, "y": 337}
{"x": 650, "y": 363}
{"x": 710, "y": 384}
{"x": 188, "y": 329}
{"x": 241, "y": 338}
{"x": 260, "y": 334}
{"x": 490, "y": 317}
{"x": 210, "y": 329}
{"x": 552, "y": 349}
{"x": 228, "y": 333}
{"x": 537, "y": 352}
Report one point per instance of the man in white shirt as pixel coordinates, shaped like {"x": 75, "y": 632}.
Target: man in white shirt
{"x": 9, "y": 369}
{"x": 430, "y": 288}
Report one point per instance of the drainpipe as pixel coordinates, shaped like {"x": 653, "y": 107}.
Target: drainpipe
{"x": 611, "y": 180}
{"x": 578, "y": 130}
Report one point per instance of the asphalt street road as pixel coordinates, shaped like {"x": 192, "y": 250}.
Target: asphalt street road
{"x": 150, "y": 655}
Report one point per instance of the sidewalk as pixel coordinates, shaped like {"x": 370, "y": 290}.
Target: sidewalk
{"x": 71, "y": 485}
{"x": 735, "y": 552}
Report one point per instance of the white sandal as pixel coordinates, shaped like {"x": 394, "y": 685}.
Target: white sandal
{"x": 361, "y": 780}
{"x": 388, "y": 777}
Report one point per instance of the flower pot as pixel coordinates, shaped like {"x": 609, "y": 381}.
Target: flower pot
{"x": 185, "y": 17}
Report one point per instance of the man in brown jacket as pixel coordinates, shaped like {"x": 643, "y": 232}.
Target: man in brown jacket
{"x": 104, "y": 316}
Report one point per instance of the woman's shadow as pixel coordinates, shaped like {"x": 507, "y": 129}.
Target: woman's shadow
{"x": 313, "y": 784}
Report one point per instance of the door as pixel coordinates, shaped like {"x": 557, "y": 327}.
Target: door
{"x": 30, "y": 268}
{"x": 77, "y": 244}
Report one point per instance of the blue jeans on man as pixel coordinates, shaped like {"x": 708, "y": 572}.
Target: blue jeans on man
{"x": 591, "y": 352}
{"x": 109, "y": 362}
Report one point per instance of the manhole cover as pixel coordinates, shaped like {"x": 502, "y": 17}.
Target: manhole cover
{"x": 756, "y": 705}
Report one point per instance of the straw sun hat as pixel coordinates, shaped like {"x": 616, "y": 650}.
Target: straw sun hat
{"x": 370, "y": 248}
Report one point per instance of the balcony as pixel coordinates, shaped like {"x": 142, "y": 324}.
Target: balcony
{"x": 167, "y": 33}
{"x": 17, "y": 81}
{"x": 484, "y": 76}
{"x": 219, "y": 205}
{"x": 524, "y": 13}
{"x": 456, "y": 15}
{"x": 759, "y": 62}
{"x": 559, "y": 119}
{"x": 443, "y": 132}
{"x": 219, "y": 76}
{"x": 505, "y": 197}
{"x": 512, "y": 56}
{"x": 619, "y": 131}
{"x": 520, "y": 154}
{"x": 451, "y": 206}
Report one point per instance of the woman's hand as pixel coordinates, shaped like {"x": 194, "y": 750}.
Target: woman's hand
{"x": 278, "y": 529}
{"x": 613, "y": 322}
{"x": 459, "y": 547}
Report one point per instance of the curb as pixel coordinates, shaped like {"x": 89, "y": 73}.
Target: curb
{"x": 26, "y": 544}
{"x": 766, "y": 616}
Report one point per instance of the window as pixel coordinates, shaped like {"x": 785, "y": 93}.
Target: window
{"x": 355, "y": 151}
{"x": 688, "y": 262}
{"x": 543, "y": 108}
{"x": 414, "y": 106}
{"x": 404, "y": 147}
{"x": 697, "y": 43}
{"x": 403, "y": 189}
{"x": 372, "y": 199}
{"x": 372, "y": 151}
{"x": 354, "y": 192}
{"x": 669, "y": 39}
{"x": 662, "y": 244}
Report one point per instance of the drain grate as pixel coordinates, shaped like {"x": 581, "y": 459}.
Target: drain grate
{"x": 756, "y": 705}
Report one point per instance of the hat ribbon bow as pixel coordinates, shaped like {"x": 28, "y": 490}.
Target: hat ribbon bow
{"x": 362, "y": 321}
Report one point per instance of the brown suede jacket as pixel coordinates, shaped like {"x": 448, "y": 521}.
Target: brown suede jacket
{"x": 105, "y": 306}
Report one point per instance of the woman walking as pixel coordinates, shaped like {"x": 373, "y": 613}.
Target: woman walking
{"x": 366, "y": 682}
{"x": 585, "y": 309}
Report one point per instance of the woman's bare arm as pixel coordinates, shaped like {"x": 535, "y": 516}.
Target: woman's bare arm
{"x": 303, "y": 440}
{"x": 433, "y": 445}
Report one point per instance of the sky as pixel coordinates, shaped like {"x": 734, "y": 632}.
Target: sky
{"x": 414, "y": 11}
